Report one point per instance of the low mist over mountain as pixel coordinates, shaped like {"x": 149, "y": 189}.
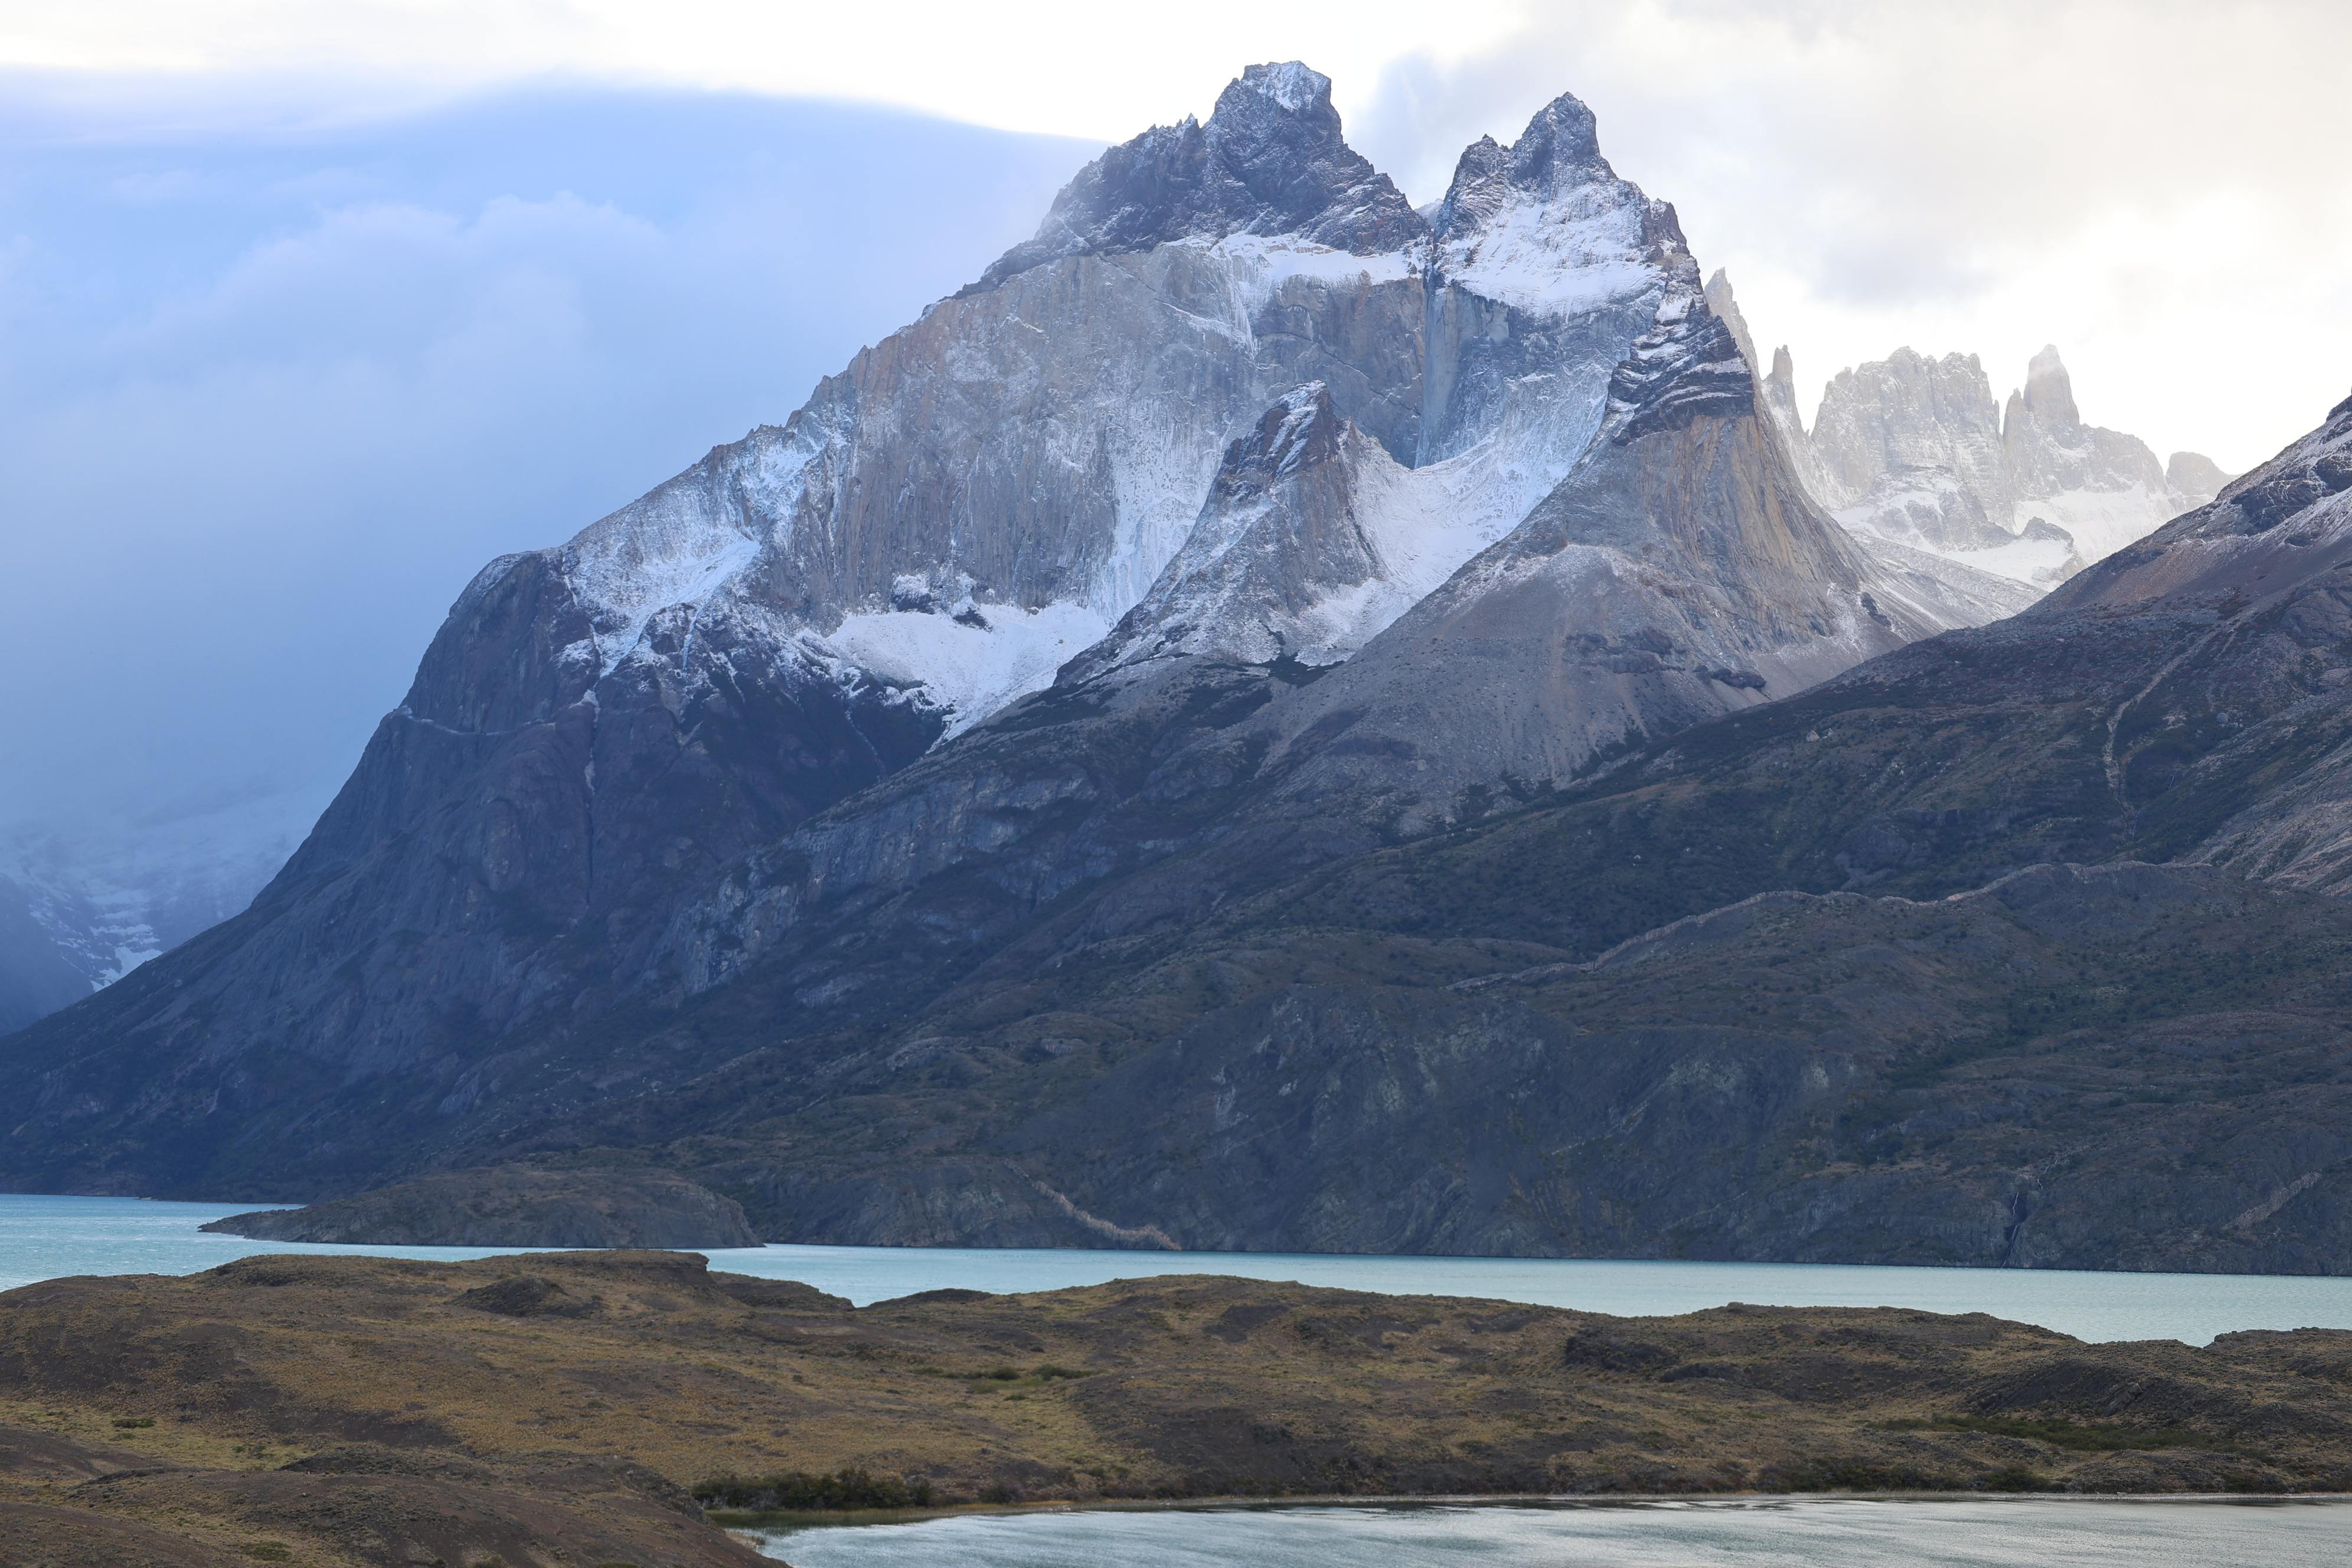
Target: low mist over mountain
{"x": 1273, "y": 719}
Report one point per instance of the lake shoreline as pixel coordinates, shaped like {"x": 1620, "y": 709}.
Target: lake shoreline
{"x": 786, "y": 1523}
{"x": 44, "y": 1238}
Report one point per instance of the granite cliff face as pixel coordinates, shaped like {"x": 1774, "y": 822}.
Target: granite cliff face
{"x": 1916, "y": 444}
{"x": 1917, "y": 535}
{"x": 2103, "y": 488}
{"x": 1679, "y": 571}
{"x": 1915, "y": 458}
{"x": 2196, "y": 477}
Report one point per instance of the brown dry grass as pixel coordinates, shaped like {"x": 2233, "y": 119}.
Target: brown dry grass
{"x": 571, "y": 1384}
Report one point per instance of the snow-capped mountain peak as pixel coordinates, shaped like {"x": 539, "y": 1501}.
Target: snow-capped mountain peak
{"x": 1271, "y": 160}
{"x": 1545, "y": 225}
{"x": 1290, "y": 84}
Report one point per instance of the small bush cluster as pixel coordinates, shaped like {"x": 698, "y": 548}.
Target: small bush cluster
{"x": 1047, "y": 1372}
{"x": 797, "y": 1492}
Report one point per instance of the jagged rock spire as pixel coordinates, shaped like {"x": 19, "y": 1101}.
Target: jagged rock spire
{"x": 1271, "y": 160}
{"x": 2049, "y": 395}
{"x": 1558, "y": 151}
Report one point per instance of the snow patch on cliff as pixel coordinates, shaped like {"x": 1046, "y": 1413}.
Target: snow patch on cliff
{"x": 2102, "y": 521}
{"x": 974, "y": 661}
{"x": 1260, "y": 265}
{"x": 1562, "y": 257}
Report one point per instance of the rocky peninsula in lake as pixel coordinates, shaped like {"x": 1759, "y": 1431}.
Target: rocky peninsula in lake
{"x": 624, "y": 1406}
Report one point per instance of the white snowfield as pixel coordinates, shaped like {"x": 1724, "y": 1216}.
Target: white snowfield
{"x": 1410, "y": 530}
{"x": 1259, "y": 265}
{"x": 2102, "y": 521}
{"x": 973, "y": 666}
{"x": 1563, "y": 258}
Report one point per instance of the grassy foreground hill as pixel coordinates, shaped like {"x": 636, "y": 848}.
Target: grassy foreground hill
{"x": 564, "y": 1408}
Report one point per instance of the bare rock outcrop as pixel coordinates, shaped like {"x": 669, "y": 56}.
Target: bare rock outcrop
{"x": 512, "y": 1206}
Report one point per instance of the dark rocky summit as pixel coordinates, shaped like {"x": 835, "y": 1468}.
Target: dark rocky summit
{"x": 1271, "y": 160}
{"x": 515, "y": 1206}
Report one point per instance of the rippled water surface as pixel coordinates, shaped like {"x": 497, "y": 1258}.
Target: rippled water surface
{"x": 2043, "y": 1534}
{"x": 43, "y": 1238}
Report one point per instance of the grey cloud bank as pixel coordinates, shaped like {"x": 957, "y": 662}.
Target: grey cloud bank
{"x": 273, "y": 386}
{"x": 2152, "y": 186}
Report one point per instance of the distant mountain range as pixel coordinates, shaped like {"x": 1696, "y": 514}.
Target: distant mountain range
{"x": 1911, "y": 454}
{"x": 80, "y": 910}
{"x": 1270, "y": 719}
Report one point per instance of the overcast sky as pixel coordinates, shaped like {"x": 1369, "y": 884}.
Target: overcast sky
{"x": 270, "y": 394}
{"x": 2158, "y": 187}
{"x": 308, "y": 306}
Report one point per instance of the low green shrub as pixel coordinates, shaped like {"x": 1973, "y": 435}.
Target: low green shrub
{"x": 797, "y": 1492}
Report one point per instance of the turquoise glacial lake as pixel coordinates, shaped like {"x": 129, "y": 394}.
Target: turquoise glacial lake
{"x": 1775, "y": 1533}
{"x": 48, "y": 1237}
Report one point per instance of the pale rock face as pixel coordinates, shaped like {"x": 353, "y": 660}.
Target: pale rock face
{"x": 1679, "y": 571}
{"x": 1913, "y": 452}
{"x": 981, "y": 495}
{"x": 1909, "y": 449}
{"x": 2195, "y": 476}
{"x": 1981, "y": 596}
{"x": 1313, "y": 539}
{"x": 1545, "y": 267}
{"x": 1776, "y": 390}
{"x": 1561, "y": 266}
{"x": 1034, "y": 451}
{"x": 2103, "y": 488}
